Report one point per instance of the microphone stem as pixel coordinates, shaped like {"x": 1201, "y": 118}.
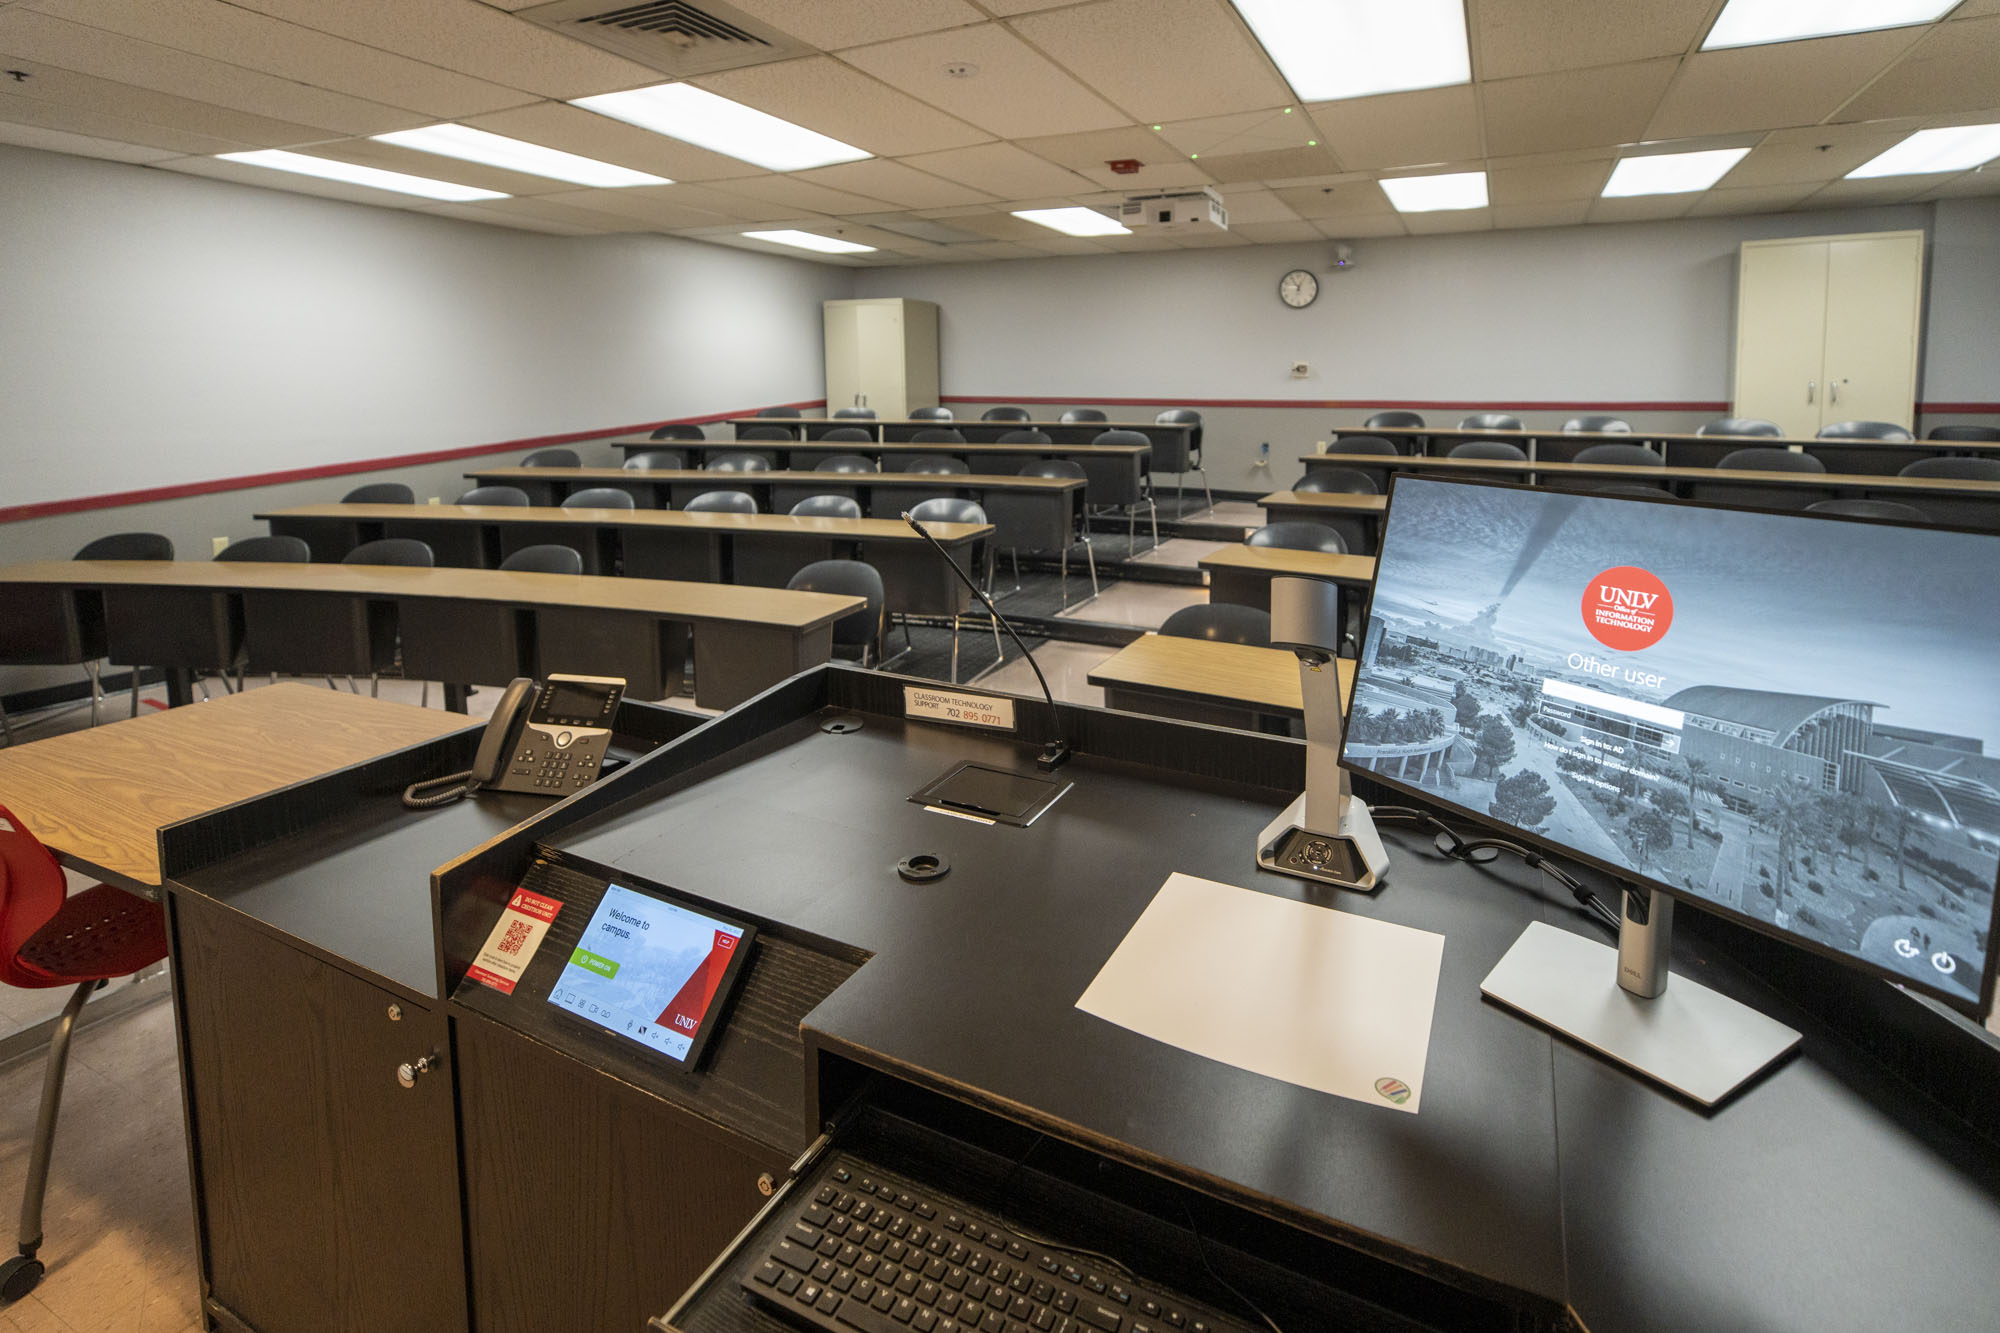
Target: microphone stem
{"x": 1058, "y": 752}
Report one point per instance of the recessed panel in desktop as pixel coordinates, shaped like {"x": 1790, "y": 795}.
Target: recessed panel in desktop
{"x": 1790, "y": 718}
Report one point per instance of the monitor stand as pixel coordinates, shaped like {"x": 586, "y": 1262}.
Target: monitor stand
{"x": 1698, "y": 1042}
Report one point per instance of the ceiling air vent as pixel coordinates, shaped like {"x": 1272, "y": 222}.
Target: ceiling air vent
{"x": 671, "y": 36}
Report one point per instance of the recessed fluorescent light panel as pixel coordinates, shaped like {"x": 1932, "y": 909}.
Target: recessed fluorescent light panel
{"x": 496, "y": 150}
{"x": 327, "y": 169}
{"x": 1434, "y": 194}
{"x": 1960, "y": 148}
{"x": 805, "y": 240}
{"x": 1329, "y": 49}
{"x": 1671, "y": 173}
{"x": 685, "y": 112}
{"x": 1074, "y": 221}
{"x": 1755, "y": 22}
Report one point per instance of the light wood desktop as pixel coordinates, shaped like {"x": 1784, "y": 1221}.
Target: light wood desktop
{"x": 98, "y": 798}
{"x": 1199, "y": 680}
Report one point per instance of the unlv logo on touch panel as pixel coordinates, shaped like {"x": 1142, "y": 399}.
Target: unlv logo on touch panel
{"x": 1627, "y": 608}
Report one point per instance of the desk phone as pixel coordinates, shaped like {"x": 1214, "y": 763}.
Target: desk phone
{"x": 544, "y": 740}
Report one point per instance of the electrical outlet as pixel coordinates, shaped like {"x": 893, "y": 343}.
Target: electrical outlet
{"x": 1301, "y": 369}
{"x": 1264, "y": 454}
{"x": 217, "y": 545}
{"x": 437, "y": 501}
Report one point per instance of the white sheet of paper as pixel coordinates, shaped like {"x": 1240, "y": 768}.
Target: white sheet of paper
{"x": 1317, "y": 997}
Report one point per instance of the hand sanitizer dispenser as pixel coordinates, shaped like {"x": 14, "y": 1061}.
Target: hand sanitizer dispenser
{"x": 1326, "y": 835}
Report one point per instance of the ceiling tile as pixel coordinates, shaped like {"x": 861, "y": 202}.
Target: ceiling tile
{"x": 1002, "y": 226}
{"x": 1401, "y": 129}
{"x": 1956, "y": 67}
{"x": 822, "y": 94}
{"x": 511, "y": 221}
{"x": 1055, "y": 243}
{"x": 1010, "y": 7}
{"x": 548, "y": 210}
{"x": 1255, "y": 206}
{"x": 832, "y": 24}
{"x": 1568, "y": 214}
{"x": 239, "y": 37}
{"x": 46, "y": 83}
{"x": 1448, "y": 220}
{"x": 1549, "y": 112}
{"x": 1161, "y": 60}
{"x": 659, "y": 205}
{"x": 1241, "y": 132}
{"x": 1270, "y": 165}
{"x": 27, "y": 35}
{"x": 105, "y": 125}
{"x": 574, "y": 130}
{"x": 1016, "y": 92}
{"x": 1274, "y": 233}
{"x": 1642, "y": 208}
{"x": 1550, "y": 183}
{"x": 894, "y": 183}
{"x": 1967, "y": 185}
{"x": 1756, "y": 199}
{"x": 1089, "y": 155}
{"x": 1768, "y": 87}
{"x": 471, "y": 38}
{"x": 1816, "y": 153}
{"x": 800, "y": 195}
{"x": 1002, "y": 169}
{"x": 78, "y": 145}
{"x": 1357, "y": 199}
{"x": 1210, "y": 240}
{"x": 1511, "y": 38}
{"x": 1356, "y": 228}
{"x": 1878, "y": 190}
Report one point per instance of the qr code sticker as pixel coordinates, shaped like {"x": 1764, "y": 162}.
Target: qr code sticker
{"x": 516, "y": 936}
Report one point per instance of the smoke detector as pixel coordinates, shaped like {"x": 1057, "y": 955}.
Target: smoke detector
{"x": 960, "y": 69}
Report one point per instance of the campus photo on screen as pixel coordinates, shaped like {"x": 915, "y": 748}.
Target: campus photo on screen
{"x": 1791, "y": 718}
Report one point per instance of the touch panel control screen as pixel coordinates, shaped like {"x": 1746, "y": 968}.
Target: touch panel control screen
{"x": 652, "y": 971}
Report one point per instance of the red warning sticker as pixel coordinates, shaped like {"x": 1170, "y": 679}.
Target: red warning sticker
{"x": 1627, "y": 608}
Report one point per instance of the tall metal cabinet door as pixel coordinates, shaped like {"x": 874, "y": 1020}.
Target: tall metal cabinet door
{"x": 1781, "y": 334}
{"x": 1874, "y": 300}
{"x": 884, "y": 386}
{"x": 327, "y": 1191}
{"x": 843, "y": 356}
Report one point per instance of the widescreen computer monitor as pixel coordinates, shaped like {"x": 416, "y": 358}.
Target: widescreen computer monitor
{"x": 1792, "y": 720}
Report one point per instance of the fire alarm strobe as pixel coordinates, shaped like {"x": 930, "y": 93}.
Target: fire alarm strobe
{"x": 1125, "y": 166}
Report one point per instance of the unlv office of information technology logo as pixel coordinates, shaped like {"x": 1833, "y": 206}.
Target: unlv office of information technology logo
{"x": 1627, "y": 608}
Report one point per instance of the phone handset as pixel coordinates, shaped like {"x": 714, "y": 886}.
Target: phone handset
{"x": 496, "y": 744}
{"x": 544, "y": 740}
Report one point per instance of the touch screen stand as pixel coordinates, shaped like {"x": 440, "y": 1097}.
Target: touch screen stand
{"x": 1325, "y": 835}
{"x": 1698, "y": 1042}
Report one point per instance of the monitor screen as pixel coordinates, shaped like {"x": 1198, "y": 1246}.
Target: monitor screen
{"x": 652, "y": 971}
{"x": 1786, "y": 718}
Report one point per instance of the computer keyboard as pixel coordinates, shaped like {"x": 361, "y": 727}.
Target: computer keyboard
{"x": 870, "y": 1253}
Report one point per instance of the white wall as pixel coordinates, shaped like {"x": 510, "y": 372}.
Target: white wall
{"x": 161, "y": 328}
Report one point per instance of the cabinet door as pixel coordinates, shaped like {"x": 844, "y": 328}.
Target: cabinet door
{"x": 843, "y": 356}
{"x": 327, "y": 1192}
{"x": 880, "y": 337}
{"x": 1874, "y": 293}
{"x": 1780, "y": 335}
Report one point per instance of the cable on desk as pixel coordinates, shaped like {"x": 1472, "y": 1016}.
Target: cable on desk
{"x": 1201, "y": 1252}
{"x": 1459, "y": 848}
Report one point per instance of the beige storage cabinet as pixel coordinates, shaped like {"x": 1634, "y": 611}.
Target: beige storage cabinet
{"x": 881, "y": 353}
{"x": 1827, "y": 329}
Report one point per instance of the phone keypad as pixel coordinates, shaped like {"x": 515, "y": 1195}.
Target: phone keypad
{"x": 553, "y": 768}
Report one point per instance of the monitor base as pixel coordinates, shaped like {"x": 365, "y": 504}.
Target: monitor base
{"x": 1698, "y": 1042}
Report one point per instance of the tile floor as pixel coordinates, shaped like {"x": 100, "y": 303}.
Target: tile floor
{"x": 1065, "y": 664}
{"x": 1182, "y": 552}
{"x": 1134, "y": 603}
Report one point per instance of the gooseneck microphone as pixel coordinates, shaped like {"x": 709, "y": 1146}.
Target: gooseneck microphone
{"x": 1057, "y": 752}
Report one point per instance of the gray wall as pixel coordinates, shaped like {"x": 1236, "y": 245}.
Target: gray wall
{"x": 1631, "y": 313}
{"x": 158, "y": 329}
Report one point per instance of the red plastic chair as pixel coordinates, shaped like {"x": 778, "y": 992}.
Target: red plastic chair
{"x": 48, "y": 938}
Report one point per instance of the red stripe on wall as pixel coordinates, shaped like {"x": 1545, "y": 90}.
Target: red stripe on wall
{"x": 116, "y": 499}
{"x": 1960, "y": 409}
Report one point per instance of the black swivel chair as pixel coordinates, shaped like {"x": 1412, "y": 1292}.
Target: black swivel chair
{"x": 548, "y": 558}
{"x": 511, "y": 496}
{"x": 945, "y": 510}
{"x": 1146, "y": 499}
{"x": 600, "y": 497}
{"x": 1187, "y": 416}
{"x": 1956, "y": 510}
{"x": 930, "y": 414}
{"x": 296, "y": 633}
{"x": 391, "y": 551}
{"x": 827, "y": 506}
{"x": 367, "y": 624}
{"x": 1298, "y": 535}
{"x": 1220, "y": 623}
{"x": 195, "y": 630}
{"x": 861, "y": 629}
{"x": 552, "y": 458}
{"x": 1079, "y": 528}
{"x": 1966, "y": 434}
{"x": 938, "y": 436}
{"x": 1597, "y": 426}
{"x": 1490, "y": 449}
{"x": 1005, "y": 414}
{"x": 1753, "y": 427}
{"x": 1855, "y": 507}
{"x": 844, "y": 463}
{"x": 1337, "y": 481}
{"x": 848, "y": 435}
{"x": 268, "y": 550}
{"x": 779, "y": 413}
{"x": 679, "y": 431}
{"x": 380, "y": 493}
{"x": 1956, "y": 469}
{"x": 738, "y": 460}
{"x": 765, "y": 433}
{"x": 1761, "y": 458}
{"x": 1367, "y": 444}
{"x": 934, "y": 463}
{"x": 721, "y": 502}
{"x": 1865, "y": 430}
{"x": 1398, "y": 418}
{"x": 1082, "y": 416}
{"x": 856, "y": 413}
{"x": 1041, "y": 437}
{"x": 1621, "y": 455}
{"x": 1490, "y": 421}
{"x": 657, "y": 460}
{"x": 73, "y": 626}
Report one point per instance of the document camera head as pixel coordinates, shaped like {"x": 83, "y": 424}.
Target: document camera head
{"x": 1305, "y": 617}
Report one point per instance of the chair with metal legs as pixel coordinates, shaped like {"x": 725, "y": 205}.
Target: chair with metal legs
{"x": 1079, "y": 525}
{"x": 1147, "y": 500}
{"x": 120, "y": 546}
{"x": 60, "y": 939}
{"x": 944, "y": 510}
